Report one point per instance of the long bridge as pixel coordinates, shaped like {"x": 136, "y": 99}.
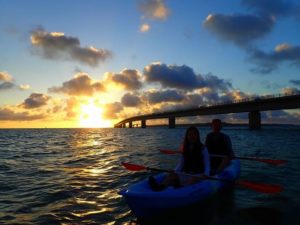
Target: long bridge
{"x": 252, "y": 106}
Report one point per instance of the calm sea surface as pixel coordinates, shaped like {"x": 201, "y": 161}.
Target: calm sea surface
{"x": 72, "y": 176}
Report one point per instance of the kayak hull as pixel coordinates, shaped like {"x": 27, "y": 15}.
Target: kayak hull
{"x": 144, "y": 202}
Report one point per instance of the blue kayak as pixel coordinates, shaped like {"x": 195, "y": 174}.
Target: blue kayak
{"x": 144, "y": 202}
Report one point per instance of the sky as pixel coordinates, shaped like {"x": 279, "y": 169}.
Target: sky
{"x": 93, "y": 63}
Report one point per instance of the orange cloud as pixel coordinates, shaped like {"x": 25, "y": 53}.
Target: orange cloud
{"x": 154, "y": 9}
{"x": 8, "y": 114}
{"x": 81, "y": 85}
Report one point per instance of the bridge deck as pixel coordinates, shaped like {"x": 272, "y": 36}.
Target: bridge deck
{"x": 258, "y": 104}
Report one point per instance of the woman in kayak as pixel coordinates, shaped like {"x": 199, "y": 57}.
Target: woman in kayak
{"x": 194, "y": 160}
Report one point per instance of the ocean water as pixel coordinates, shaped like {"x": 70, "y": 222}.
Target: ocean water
{"x": 72, "y": 176}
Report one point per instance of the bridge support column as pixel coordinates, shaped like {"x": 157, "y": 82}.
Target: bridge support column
{"x": 254, "y": 120}
{"x": 171, "y": 122}
{"x": 130, "y": 124}
{"x": 143, "y": 124}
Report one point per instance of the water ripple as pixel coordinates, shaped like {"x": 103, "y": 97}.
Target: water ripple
{"x": 72, "y": 176}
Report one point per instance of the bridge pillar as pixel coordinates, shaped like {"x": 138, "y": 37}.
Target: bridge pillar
{"x": 254, "y": 120}
{"x": 143, "y": 124}
{"x": 130, "y": 124}
{"x": 171, "y": 122}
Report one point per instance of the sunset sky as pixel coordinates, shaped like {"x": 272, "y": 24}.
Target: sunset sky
{"x": 92, "y": 63}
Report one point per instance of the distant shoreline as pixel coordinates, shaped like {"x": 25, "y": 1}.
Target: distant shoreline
{"x": 159, "y": 125}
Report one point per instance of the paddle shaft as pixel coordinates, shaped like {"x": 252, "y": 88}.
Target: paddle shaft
{"x": 275, "y": 162}
{"x": 134, "y": 167}
{"x": 259, "y": 187}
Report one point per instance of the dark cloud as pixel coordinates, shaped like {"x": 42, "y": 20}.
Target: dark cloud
{"x": 10, "y": 115}
{"x": 295, "y": 82}
{"x": 112, "y": 110}
{"x": 273, "y": 7}
{"x": 154, "y": 9}
{"x": 58, "y": 46}
{"x": 214, "y": 82}
{"x": 155, "y": 97}
{"x": 268, "y": 62}
{"x": 182, "y": 77}
{"x": 130, "y": 100}
{"x": 239, "y": 28}
{"x": 280, "y": 116}
{"x": 6, "y": 85}
{"x": 6, "y": 81}
{"x": 82, "y": 84}
{"x": 130, "y": 79}
{"x": 35, "y": 100}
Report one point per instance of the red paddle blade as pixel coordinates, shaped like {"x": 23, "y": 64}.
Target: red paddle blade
{"x": 169, "y": 152}
{"x": 275, "y": 162}
{"x": 259, "y": 187}
{"x": 133, "y": 167}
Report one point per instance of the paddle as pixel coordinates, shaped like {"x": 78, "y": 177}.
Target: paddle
{"x": 275, "y": 162}
{"x": 259, "y": 187}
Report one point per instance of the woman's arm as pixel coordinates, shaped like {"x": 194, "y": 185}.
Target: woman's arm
{"x": 179, "y": 166}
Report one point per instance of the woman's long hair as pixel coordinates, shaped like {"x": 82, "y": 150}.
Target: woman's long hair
{"x": 186, "y": 143}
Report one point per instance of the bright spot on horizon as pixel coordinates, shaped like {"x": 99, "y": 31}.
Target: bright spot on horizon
{"x": 91, "y": 116}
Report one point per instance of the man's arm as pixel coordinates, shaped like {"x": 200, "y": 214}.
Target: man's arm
{"x": 228, "y": 154}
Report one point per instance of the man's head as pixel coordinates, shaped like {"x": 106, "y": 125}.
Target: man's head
{"x": 216, "y": 125}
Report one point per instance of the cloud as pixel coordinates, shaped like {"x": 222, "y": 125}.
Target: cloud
{"x": 240, "y": 29}
{"x": 154, "y": 9}
{"x": 214, "y": 82}
{"x": 130, "y": 100}
{"x": 71, "y": 106}
{"x": 273, "y": 7}
{"x": 145, "y": 28}
{"x": 290, "y": 91}
{"x": 155, "y": 97}
{"x": 24, "y": 86}
{"x": 56, "y": 45}
{"x": 81, "y": 85}
{"x": 112, "y": 110}
{"x": 35, "y": 100}
{"x": 295, "y": 82}
{"x": 129, "y": 79}
{"x": 268, "y": 62}
{"x": 171, "y": 76}
{"x": 182, "y": 77}
{"x": 6, "y": 85}
{"x": 7, "y": 82}
{"x": 7, "y": 114}
{"x": 280, "y": 116}
{"x": 4, "y": 76}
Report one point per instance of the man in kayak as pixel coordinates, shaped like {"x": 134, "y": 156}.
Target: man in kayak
{"x": 218, "y": 144}
{"x": 194, "y": 160}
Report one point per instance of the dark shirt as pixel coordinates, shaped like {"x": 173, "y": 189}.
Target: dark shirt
{"x": 193, "y": 159}
{"x": 219, "y": 144}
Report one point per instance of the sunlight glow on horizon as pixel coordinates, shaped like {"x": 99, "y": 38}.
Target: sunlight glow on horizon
{"x": 91, "y": 116}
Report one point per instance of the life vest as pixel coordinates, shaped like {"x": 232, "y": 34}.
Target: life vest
{"x": 217, "y": 143}
{"x": 193, "y": 160}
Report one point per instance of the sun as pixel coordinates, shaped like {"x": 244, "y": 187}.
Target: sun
{"x": 91, "y": 116}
